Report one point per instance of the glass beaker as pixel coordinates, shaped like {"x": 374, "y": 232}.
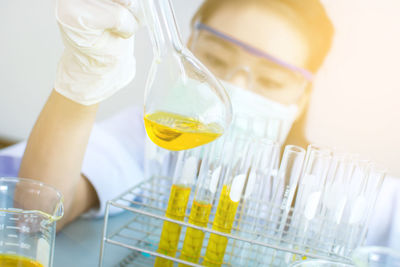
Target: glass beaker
{"x": 185, "y": 105}
{"x": 28, "y": 214}
{"x": 376, "y": 257}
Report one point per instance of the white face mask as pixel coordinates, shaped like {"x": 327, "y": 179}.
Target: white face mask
{"x": 257, "y": 116}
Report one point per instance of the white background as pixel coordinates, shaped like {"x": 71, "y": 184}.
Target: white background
{"x": 356, "y": 100}
{"x": 30, "y": 47}
{"x": 355, "y": 104}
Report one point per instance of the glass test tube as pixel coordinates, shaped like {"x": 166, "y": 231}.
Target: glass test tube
{"x": 232, "y": 188}
{"x": 259, "y": 127}
{"x": 288, "y": 177}
{"x": 334, "y": 202}
{"x": 263, "y": 156}
{"x": 354, "y": 211}
{"x": 310, "y": 189}
{"x": 185, "y": 174}
{"x": 282, "y": 196}
{"x": 206, "y": 187}
{"x": 365, "y": 184}
{"x": 371, "y": 191}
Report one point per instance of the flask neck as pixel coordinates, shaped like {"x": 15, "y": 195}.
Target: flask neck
{"x": 163, "y": 29}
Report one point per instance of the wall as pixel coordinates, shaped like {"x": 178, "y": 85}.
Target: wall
{"x": 355, "y": 103}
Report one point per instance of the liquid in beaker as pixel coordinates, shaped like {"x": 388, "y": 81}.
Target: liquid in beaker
{"x": 28, "y": 214}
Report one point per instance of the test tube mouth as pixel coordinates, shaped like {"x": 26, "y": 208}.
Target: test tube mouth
{"x": 295, "y": 149}
{"x": 266, "y": 141}
{"x": 319, "y": 150}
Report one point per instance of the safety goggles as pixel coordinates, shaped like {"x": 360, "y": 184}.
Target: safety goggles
{"x": 246, "y": 66}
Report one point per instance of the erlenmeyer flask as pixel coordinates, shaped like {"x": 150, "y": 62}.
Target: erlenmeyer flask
{"x": 185, "y": 105}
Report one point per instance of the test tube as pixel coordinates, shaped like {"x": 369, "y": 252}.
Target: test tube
{"x": 240, "y": 127}
{"x": 334, "y": 201}
{"x": 340, "y": 222}
{"x": 232, "y": 188}
{"x": 284, "y": 190}
{"x": 185, "y": 174}
{"x": 259, "y": 183}
{"x": 263, "y": 156}
{"x": 369, "y": 178}
{"x": 309, "y": 193}
{"x": 206, "y": 187}
{"x": 287, "y": 178}
{"x": 354, "y": 212}
{"x": 270, "y": 128}
{"x": 375, "y": 180}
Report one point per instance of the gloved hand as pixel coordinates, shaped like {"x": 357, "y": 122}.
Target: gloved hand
{"x": 98, "y": 59}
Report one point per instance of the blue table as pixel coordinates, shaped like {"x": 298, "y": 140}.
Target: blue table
{"x": 78, "y": 244}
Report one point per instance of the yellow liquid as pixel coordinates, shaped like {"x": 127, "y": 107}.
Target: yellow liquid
{"x": 194, "y": 238}
{"x": 7, "y": 260}
{"x": 176, "y": 132}
{"x": 223, "y": 222}
{"x": 176, "y": 209}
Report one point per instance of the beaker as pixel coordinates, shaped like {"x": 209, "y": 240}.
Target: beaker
{"x": 185, "y": 105}
{"x": 28, "y": 214}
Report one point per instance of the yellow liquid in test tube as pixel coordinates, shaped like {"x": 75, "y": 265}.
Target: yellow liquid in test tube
{"x": 194, "y": 238}
{"x": 168, "y": 245}
{"x": 176, "y": 132}
{"x": 223, "y": 222}
{"x": 7, "y": 260}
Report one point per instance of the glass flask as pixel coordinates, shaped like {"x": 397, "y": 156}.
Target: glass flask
{"x": 185, "y": 105}
{"x": 28, "y": 214}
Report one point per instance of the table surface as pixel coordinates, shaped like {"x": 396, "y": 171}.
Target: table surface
{"x": 78, "y": 244}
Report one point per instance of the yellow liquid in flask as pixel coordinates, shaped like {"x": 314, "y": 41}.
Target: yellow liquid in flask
{"x": 194, "y": 238}
{"x": 7, "y": 260}
{"x": 176, "y": 132}
{"x": 223, "y": 222}
{"x": 176, "y": 209}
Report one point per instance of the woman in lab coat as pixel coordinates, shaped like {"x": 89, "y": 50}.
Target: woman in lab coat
{"x": 266, "y": 52}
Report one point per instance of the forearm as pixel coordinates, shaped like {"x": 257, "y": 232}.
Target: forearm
{"x": 55, "y": 152}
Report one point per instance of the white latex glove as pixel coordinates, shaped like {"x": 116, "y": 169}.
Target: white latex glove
{"x": 98, "y": 59}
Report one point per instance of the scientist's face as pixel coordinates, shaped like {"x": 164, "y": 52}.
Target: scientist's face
{"x": 254, "y": 48}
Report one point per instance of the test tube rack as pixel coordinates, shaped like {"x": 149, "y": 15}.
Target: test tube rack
{"x": 140, "y": 234}
{"x": 146, "y": 204}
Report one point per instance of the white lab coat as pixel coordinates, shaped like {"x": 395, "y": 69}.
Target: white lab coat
{"x": 114, "y": 162}
{"x": 114, "y": 157}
